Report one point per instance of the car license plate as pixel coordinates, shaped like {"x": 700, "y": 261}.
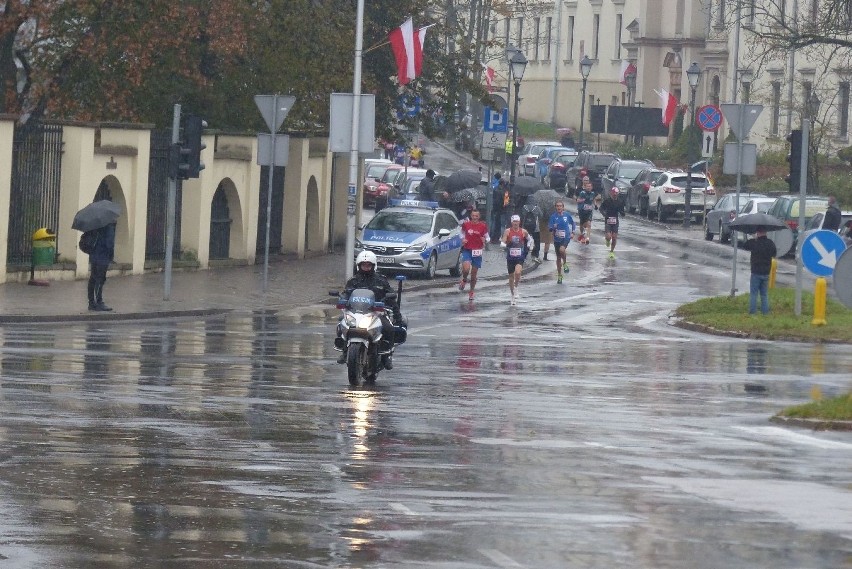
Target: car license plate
{"x": 385, "y": 260}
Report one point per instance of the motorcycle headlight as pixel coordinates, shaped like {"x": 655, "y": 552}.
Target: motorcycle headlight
{"x": 416, "y": 247}
{"x": 350, "y": 320}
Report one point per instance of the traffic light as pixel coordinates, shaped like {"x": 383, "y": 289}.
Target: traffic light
{"x": 192, "y": 145}
{"x": 795, "y": 160}
{"x": 178, "y": 162}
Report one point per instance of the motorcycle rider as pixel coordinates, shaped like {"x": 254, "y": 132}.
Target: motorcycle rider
{"x": 367, "y": 277}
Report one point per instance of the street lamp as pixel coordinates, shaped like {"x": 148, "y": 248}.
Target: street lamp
{"x": 585, "y": 69}
{"x": 511, "y": 50}
{"x": 517, "y": 65}
{"x": 693, "y": 74}
{"x": 630, "y": 81}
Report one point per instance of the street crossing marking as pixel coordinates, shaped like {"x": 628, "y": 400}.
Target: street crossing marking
{"x": 501, "y": 559}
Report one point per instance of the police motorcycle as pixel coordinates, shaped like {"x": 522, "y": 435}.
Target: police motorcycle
{"x": 359, "y": 333}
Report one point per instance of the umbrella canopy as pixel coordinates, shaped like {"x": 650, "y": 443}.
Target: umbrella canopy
{"x": 96, "y": 215}
{"x": 458, "y": 181}
{"x": 469, "y": 194}
{"x": 545, "y": 201}
{"x": 752, "y": 222}
{"x": 526, "y": 185}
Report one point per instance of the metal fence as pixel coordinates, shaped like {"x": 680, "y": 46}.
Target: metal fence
{"x": 34, "y": 199}
{"x": 158, "y": 194}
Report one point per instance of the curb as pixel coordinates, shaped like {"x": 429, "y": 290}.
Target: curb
{"x": 813, "y": 424}
{"x": 112, "y": 317}
{"x": 695, "y": 327}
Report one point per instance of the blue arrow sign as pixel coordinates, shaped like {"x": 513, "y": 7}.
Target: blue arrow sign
{"x": 495, "y": 121}
{"x": 820, "y": 251}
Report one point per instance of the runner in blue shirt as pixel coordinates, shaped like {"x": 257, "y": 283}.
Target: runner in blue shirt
{"x": 562, "y": 226}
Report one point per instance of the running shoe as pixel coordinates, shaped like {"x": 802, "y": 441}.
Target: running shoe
{"x": 461, "y": 284}
{"x": 517, "y": 295}
{"x": 536, "y": 260}
{"x": 612, "y": 254}
{"x": 470, "y": 296}
{"x": 559, "y": 279}
{"x": 513, "y": 301}
{"x": 565, "y": 267}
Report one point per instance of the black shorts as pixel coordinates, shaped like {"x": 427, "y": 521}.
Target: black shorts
{"x": 585, "y": 216}
{"x": 512, "y": 263}
{"x": 611, "y": 228}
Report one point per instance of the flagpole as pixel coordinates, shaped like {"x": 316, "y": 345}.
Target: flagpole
{"x": 349, "y": 260}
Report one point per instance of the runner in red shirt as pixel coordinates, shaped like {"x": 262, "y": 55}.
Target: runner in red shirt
{"x": 474, "y": 235}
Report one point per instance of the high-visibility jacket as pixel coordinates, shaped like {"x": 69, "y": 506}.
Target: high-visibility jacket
{"x": 508, "y": 145}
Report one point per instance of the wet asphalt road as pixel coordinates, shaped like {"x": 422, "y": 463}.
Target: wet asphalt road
{"x": 579, "y": 429}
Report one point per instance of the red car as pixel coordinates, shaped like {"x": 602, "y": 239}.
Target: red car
{"x": 377, "y": 188}
{"x": 373, "y": 172}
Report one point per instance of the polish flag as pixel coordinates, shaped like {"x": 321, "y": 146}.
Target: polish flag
{"x": 407, "y": 50}
{"x": 669, "y": 106}
{"x": 489, "y": 78}
{"x": 626, "y": 67}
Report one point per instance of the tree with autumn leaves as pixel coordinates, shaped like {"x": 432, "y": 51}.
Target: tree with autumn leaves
{"x": 130, "y": 61}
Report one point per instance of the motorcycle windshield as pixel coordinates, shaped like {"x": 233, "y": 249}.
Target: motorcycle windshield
{"x": 362, "y": 300}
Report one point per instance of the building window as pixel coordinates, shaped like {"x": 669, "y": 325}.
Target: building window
{"x": 843, "y": 110}
{"x": 782, "y": 12}
{"x": 807, "y": 89}
{"x": 507, "y": 27}
{"x": 814, "y": 11}
{"x": 618, "y": 21}
{"x": 520, "y": 35}
{"x": 596, "y": 35}
{"x": 720, "y": 14}
{"x": 776, "y": 107}
{"x": 535, "y": 38}
{"x": 549, "y": 23}
{"x": 746, "y": 92}
{"x": 570, "y": 38}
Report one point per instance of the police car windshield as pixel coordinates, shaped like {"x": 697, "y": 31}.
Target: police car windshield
{"x": 403, "y": 221}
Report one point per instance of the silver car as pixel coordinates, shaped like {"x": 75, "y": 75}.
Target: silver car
{"x": 414, "y": 237}
{"x": 718, "y": 219}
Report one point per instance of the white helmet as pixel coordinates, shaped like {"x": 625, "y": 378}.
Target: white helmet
{"x": 366, "y": 257}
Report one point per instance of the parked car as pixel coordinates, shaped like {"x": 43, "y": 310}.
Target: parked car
{"x": 385, "y": 184}
{"x": 718, "y": 219}
{"x": 667, "y": 195}
{"x": 414, "y": 239}
{"x": 620, "y": 174}
{"x": 591, "y": 164}
{"x": 815, "y": 224}
{"x": 546, "y": 157}
{"x": 557, "y": 171}
{"x": 406, "y": 185}
{"x": 786, "y": 208}
{"x": 754, "y": 205}
{"x": 637, "y": 193}
{"x": 528, "y": 156}
{"x": 374, "y": 169}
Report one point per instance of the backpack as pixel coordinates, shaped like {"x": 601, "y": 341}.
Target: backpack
{"x": 88, "y": 240}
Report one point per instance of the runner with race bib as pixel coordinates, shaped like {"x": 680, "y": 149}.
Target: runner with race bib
{"x": 610, "y": 209}
{"x": 517, "y": 241}
{"x": 474, "y": 235}
{"x": 562, "y": 227}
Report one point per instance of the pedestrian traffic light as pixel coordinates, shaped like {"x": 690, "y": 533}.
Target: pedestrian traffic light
{"x": 193, "y": 145}
{"x": 795, "y": 160}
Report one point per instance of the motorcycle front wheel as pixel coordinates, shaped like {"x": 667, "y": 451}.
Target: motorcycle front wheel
{"x": 356, "y": 363}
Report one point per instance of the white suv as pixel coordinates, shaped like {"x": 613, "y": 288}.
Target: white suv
{"x": 667, "y": 195}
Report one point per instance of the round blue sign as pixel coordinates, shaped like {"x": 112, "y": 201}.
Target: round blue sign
{"x": 709, "y": 117}
{"x": 820, "y": 251}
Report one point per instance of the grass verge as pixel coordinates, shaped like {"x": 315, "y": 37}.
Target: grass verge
{"x": 727, "y": 314}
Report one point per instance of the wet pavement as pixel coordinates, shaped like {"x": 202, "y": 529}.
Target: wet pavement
{"x": 578, "y": 429}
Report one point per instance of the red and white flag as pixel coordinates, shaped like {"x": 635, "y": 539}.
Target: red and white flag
{"x": 669, "y": 106}
{"x": 626, "y": 67}
{"x": 407, "y": 50}
{"x": 489, "y": 78}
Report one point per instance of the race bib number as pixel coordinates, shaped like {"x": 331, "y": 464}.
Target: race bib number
{"x": 612, "y": 220}
{"x": 587, "y": 206}
{"x": 515, "y": 252}
{"x": 560, "y": 234}
{"x": 476, "y": 252}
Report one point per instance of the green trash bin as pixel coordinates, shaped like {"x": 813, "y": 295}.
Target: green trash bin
{"x": 44, "y": 246}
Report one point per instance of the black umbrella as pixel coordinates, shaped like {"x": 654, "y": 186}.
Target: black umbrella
{"x": 545, "y": 201}
{"x": 458, "y": 181}
{"x": 469, "y": 194}
{"x": 751, "y": 222}
{"x": 526, "y": 185}
{"x": 96, "y": 215}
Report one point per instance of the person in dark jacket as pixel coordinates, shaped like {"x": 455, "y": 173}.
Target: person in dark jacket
{"x": 833, "y": 217}
{"x": 762, "y": 252}
{"x": 426, "y": 188}
{"x": 99, "y": 260}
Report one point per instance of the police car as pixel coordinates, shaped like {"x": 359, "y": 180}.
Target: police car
{"x": 413, "y": 236}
